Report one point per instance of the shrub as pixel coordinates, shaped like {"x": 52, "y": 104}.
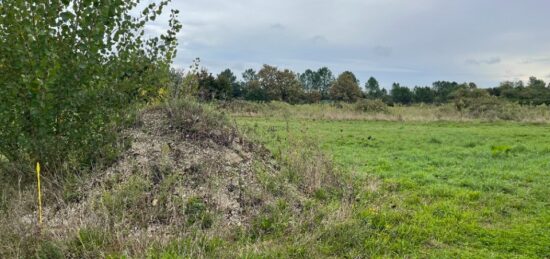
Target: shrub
{"x": 312, "y": 97}
{"x": 371, "y": 106}
{"x": 198, "y": 121}
{"x": 491, "y": 108}
{"x": 68, "y": 69}
{"x": 477, "y": 103}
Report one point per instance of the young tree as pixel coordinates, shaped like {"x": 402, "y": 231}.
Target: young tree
{"x": 508, "y": 90}
{"x": 249, "y": 75}
{"x": 214, "y": 88}
{"x": 229, "y": 80}
{"x": 291, "y": 89}
{"x": 326, "y": 79}
{"x": 69, "y": 68}
{"x": 345, "y": 88}
{"x": 252, "y": 89}
{"x": 423, "y": 94}
{"x": 208, "y": 86}
{"x": 444, "y": 89}
{"x": 310, "y": 80}
{"x": 373, "y": 90}
{"x": 268, "y": 81}
{"x": 224, "y": 87}
{"x": 313, "y": 85}
{"x": 401, "y": 94}
{"x": 280, "y": 85}
{"x": 534, "y": 93}
{"x": 536, "y": 83}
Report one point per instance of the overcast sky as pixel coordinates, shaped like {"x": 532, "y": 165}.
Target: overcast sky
{"x": 411, "y": 42}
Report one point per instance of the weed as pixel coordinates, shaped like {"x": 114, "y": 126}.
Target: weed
{"x": 500, "y": 150}
{"x": 50, "y": 250}
{"x": 470, "y": 144}
{"x": 89, "y": 243}
{"x": 273, "y": 222}
{"x": 519, "y": 149}
{"x": 197, "y": 212}
{"x": 128, "y": 200}
{"x": 435, "y": 141}
{"x": 197, "y": 245}
{"x": 71, "y": 186}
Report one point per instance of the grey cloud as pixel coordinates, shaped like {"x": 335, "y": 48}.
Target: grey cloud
{"x": 277, "y": 26}
{"x": 195, "y": 23}
{"x": 536, "y": 60}
{"x": 318, "y": 39}
{"x": 382, "y": 51}
{"x": 413, "y": 42}
{"x": 490, "y": 61}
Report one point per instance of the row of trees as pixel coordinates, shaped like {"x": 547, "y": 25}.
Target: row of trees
{"x": 273, "y": 84}
{"x": 535, "y": 92}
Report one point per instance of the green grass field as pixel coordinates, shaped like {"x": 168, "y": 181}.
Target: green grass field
{"x": 434, "y": 189}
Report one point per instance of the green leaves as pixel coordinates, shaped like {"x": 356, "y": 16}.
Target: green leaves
{"x": 66, "y": 16}
{"x": 68, "y": 68}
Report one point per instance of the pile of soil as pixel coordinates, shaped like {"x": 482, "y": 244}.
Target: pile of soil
{"x": 171, "y": 180}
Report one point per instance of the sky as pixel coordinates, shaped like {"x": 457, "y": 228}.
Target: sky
{"x": 410, "y": 42}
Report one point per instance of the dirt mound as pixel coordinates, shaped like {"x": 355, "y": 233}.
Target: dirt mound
{"x": 175, "y": 176}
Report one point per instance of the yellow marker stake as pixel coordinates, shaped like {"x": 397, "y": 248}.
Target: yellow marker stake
{"x": 39, "y": 194}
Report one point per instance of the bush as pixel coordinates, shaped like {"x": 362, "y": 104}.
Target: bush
{"x": 371, "y": 106}
{"x": 67, "y": 71}
{"x": 198, "y": 121}
{"x": 312, "y": 97}
{"x": 477, "y": 103}
{"x": 490, "y": 107}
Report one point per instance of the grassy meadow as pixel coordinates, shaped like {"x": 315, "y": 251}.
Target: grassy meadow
{"x": 377, "y": 111}
{"x": 333, "y": 183}
{"x": 428, "y": 189}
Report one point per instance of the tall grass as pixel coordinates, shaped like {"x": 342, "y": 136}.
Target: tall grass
{"x": 362, "y": 111}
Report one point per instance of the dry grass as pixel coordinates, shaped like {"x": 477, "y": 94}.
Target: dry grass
{"x": 415, "y": 113}
{"x": 189, "y": 185}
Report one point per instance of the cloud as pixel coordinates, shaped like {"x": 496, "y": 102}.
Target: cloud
{"x": 382, "y": 51}
{"x": 536, "y": 60}
{"x": 412, "y": 42}
{"x": 490, "y": 61}
{"x": 318, "y": 39}
{"x": 277, "y": 26}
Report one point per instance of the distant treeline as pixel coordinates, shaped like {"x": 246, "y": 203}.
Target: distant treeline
{"x": 273, "y": 84}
